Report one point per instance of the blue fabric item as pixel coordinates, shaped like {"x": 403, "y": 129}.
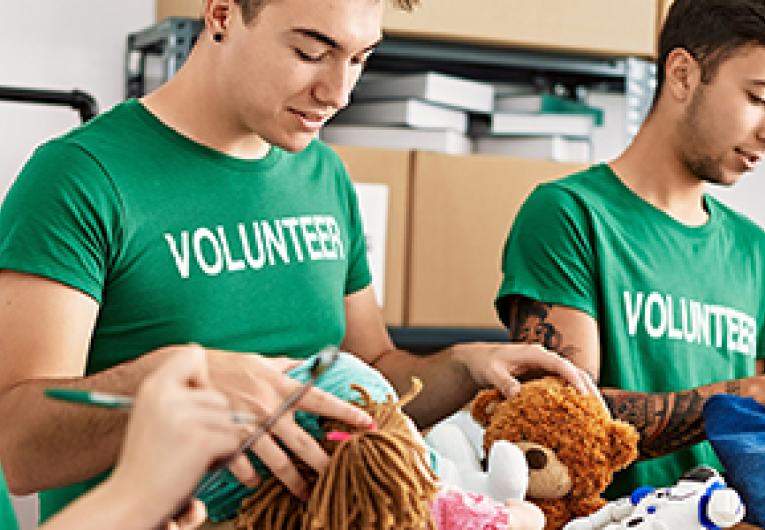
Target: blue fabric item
{"x": 224, "y": 497}
{"x": 735, "y": 427}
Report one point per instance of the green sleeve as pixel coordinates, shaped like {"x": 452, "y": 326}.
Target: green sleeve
{"x": 59, "y": 219}
{"x": 359, "y": 275}
{"x": 7, "y": 516}
{"x": 548, "y": 255}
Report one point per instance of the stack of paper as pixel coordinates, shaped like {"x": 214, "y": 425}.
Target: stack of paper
{"x": 407, "y": 138}
{"x": 433, "y": 87}
{"x": 560, "y": 148}
{"x": 424, "y": 111}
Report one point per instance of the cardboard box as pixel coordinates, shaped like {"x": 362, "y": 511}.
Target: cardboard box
{"x": 179, "y": 8}
{"x": 462, "y": 208}
{"x": 603, "y": 27}
{"x": 392, "y": 168}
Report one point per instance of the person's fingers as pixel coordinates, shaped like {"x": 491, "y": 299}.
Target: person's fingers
{"x": 592, "y": 387}
{"x": 193, "y": 517}
{"x": 300, "y": 443}
{"x": 508, "y": 385}
{"x": 280, "y": 465}
{"x": 553, "y": 363}
{"x": 242, "y": 469}
{"x": 189, "y": 364}
{"x": 284, "y": 364}
{"x": 323, "y": 403}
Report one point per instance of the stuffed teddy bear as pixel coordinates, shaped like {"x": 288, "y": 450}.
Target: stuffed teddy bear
{"x": 571, "y": 443}
{"x": 700, "y": 500}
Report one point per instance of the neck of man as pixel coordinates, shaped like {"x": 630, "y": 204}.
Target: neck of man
{"x": 191, "y": 104}
{"x": 653, "y": 169}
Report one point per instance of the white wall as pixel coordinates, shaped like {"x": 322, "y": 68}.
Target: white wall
{"x": 59, "y": 45}
{"x": 747, "y": 196}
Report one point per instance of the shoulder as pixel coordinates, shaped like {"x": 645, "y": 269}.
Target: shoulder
{"x": 735, "y": 222}
{"x": 572, "y": 194}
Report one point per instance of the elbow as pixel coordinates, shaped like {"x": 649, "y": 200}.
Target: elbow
{"x": 16, "y": 479}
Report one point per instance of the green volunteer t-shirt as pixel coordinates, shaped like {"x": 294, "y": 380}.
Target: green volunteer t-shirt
{"x": 7, "y": 515}
{"x": 180, "y": 243}
{"x": 677, "y": 306}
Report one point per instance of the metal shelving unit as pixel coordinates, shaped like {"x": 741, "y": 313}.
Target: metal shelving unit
{"x": 169, "y": 41}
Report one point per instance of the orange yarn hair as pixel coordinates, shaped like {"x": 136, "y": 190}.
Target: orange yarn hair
{"x": 377, "y": 479}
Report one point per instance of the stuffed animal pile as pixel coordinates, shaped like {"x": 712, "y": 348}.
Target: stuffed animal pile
{"x": 572, "y": 445}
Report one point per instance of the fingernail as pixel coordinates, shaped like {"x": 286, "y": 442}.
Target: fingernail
{"x": 338, "y": 436}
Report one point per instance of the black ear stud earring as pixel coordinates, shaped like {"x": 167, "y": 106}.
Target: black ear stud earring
{"x": 218, "y": 37}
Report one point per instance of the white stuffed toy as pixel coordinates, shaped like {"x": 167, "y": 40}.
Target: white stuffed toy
{"x": 477, "y": 499}
{"x": 460, "y": 464}
{"x": 699, "y": 501}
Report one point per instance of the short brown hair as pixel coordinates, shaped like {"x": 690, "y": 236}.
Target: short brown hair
{"x": 712, "y": 31}
{"x": 250, "y": 8}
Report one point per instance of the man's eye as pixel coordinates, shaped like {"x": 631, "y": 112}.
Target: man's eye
{"x": 361, "y": 60}
{"x": 756, "y": 99}
{"x": 306, "y": 57}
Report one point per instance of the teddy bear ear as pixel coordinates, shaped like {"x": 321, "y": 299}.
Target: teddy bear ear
{"x": 624, "y": 444}
{"x": 483, "y": 406}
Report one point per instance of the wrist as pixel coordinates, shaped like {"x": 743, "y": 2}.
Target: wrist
{"x": 461, "y": 358}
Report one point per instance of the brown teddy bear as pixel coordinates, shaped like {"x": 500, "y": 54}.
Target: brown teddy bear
{"x": 571, "y": 443}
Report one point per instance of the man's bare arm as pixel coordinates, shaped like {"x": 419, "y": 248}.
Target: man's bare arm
{"x": 450, "y": 377}
{"x": 666, "y": 422}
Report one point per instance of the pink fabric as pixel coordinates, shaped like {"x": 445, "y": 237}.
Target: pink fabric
{"x": 455, "y": 509}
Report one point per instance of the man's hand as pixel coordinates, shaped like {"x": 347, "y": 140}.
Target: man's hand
{"x": 258, "y": 385}
{"x": 505, "y": 366}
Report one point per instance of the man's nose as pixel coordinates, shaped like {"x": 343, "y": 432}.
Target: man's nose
{"x": 334, "y": 88}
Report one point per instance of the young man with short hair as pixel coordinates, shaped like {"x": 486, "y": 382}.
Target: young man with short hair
{"x": 207, "y": 213}
{"x": 652, "y": 286}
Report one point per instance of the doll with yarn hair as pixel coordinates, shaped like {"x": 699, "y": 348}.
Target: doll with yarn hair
{"x": 385, "y": 478}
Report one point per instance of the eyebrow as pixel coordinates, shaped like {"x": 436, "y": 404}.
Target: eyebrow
{"x": 329, "y": 41}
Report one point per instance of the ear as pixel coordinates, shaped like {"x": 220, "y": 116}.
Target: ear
{"x": 217, "y": 15}
{"x": 682, "y": 75}
{"x": 624, "y": 444}
{"x": 484, "y": 405}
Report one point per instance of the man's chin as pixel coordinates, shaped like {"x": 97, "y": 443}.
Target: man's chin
{"x": 295, "y": 144}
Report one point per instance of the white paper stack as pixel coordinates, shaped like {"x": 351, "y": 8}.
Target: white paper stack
{"x": 443, "y": 141}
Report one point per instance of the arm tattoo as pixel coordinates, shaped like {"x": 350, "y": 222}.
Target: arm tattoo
{"x": 527, "y": 322}
{"x": 666, "y": 422}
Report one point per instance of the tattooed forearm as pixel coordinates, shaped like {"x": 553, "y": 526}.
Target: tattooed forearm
{"x": 667, "y": 422}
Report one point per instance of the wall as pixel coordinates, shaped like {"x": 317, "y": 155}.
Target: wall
{"x": 59, "y": 45}
{"x": 55, "y": 45}
{"x": 746, "y": 196}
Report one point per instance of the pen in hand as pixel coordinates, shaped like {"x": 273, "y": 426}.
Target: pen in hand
{"x": 112, "y": 401}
